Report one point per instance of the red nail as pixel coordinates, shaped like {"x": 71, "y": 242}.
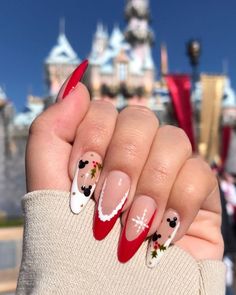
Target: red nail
{"x": 76, "y": 76}
{"x": 112, "y": 199}
{"x": 136, "y": 227}
{"x": 102, "y": 228}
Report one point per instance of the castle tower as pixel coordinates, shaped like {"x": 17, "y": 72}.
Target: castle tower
{"x": 138, "y": 31}
{"x": 100, "y": 42}
{"x": 140, "y": 36}
{"x": 164, "y": 60}
{"x": 59, "y": 64}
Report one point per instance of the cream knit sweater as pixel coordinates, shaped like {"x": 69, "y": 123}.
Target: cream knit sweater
{"x": 60, "y": 256}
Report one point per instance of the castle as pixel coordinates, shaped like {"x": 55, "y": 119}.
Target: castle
{"x": 121, "y": 71}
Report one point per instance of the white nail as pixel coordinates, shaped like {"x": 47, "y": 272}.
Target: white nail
{"x": 162, "y": 239}
{"x": 84, "y": 183}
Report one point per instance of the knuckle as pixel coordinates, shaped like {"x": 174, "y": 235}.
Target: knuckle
{"x": 95, "y": 143}
{"x": 210, "y": 177}
{"x": 201, "y": 164}
{"x": 39, "y": 125}
{"x": 104, "y": 105}
{"x": 190, "y": 190}
{"x": 97, "y": 132}
{"x": 192, "y": 193}
{"x": 158, "y": 174}
{"x": 129, "y": 147}
{"x": 141, "y": 111}
{"x": 201, "y": 167}
{"x": 180, "y": 137}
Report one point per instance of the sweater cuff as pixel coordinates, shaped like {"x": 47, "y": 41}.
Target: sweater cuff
{"x": 61, "y": 254}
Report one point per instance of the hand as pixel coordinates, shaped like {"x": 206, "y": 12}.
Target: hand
{"x": 149, "y": 174}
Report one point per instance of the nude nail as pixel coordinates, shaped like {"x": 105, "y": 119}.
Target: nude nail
{"x": 86, "y": 176}
{"x": 162, "y": 239}
{"x": 113, "y": 196}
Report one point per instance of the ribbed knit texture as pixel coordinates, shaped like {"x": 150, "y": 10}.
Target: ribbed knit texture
{"x": 60, "y": 256}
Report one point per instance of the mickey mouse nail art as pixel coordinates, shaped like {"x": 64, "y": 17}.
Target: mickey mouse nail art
{"x": 162, "y": 239}
{"x": 86, "y": 176}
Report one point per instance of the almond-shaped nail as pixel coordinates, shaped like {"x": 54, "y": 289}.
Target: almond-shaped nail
{"x": 86, "y": 176}
{"x": 136, "y": 227}
{"x": 162, "y": 239}
{"x": 113, "y": 196}
{"x": 73, "y": 80}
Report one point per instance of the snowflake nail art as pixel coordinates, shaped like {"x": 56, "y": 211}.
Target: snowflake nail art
{"x": 141, "y": 222}
{"x": 137, "y": 226}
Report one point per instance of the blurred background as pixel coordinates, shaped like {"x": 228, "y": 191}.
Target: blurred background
{"x": 176, "y": 58}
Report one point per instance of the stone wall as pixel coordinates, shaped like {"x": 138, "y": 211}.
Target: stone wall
{"x": 12, "y": 172}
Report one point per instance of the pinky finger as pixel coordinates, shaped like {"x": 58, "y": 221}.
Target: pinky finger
{"x": 187, "y": 197}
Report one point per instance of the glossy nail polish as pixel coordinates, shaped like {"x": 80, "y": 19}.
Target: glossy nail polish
{"x": 136, "y": 227}
{"x": 162, "y": 239}
{"x": 86, "y": 176}
{"x": 75, "y": 77}
{"x": 113, "y": 196}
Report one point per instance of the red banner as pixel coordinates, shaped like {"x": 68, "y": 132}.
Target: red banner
{"x": 180, "y": 91}
{"x": 226, "y": 136}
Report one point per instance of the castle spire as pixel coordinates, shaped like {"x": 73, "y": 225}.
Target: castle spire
{"x": 62, "y": 52}
{"x": 62, "y": 26}
{"x": 138, "y": 31}
{"x": 164, "y": 60}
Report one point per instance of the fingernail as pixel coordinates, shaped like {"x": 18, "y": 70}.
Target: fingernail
{"x": 113, "y": 196}
{"x": 75, "y": 77}
{"x": 162, "y": 239}
{"x": 136, "y": 227}
{"x": 86, "y": 176}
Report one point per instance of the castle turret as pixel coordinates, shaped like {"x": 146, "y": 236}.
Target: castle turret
{"x": 138, "y": 17}
{"x": 100, "y": 42}
{"x": 140, "y": 36}
{"x": 59, "y": 64}
{"x": 164, "y": 60}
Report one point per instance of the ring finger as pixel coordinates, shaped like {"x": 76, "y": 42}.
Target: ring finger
{"x": 170, "y": 149}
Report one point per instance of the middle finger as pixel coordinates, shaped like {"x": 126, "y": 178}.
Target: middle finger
{"x": 125, "y": 158}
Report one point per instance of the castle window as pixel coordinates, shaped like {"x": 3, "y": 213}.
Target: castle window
{"x": 122, "y": 71}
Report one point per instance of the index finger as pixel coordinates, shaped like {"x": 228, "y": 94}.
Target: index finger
{"x": 49, "y": 144}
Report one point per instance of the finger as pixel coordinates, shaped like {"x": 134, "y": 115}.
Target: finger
{"x": 49, "y": 143}
{"x": 203, "y": 239}
{"x": 92, "y": 139}
{"x": 193, "y": 185}
{"x": 170, "y": 150}
{"x": 125, "y": 158}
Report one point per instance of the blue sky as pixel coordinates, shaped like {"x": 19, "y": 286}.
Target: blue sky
{"x": 29, "y": 29}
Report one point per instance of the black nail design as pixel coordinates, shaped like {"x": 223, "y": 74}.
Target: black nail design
{"x": 172, "y": 223}
{"x": 82, "y": 164}
{"x": 155, "y": 237}
{"x": 86, "y": 190}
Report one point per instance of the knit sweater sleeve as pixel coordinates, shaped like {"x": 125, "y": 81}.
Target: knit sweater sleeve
{"x": 60, "y": 256}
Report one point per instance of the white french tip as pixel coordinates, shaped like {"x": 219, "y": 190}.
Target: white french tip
{"x": 87, "y": 172}
{"x": 77, "y": 199}
{"x": 76, "y": 205}
{"x": 154, "y": 256}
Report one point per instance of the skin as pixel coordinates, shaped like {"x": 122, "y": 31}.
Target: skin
{"x": 158, "y": 160}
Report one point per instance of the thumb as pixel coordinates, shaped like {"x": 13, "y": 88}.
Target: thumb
{"x": 50, "y": 138}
